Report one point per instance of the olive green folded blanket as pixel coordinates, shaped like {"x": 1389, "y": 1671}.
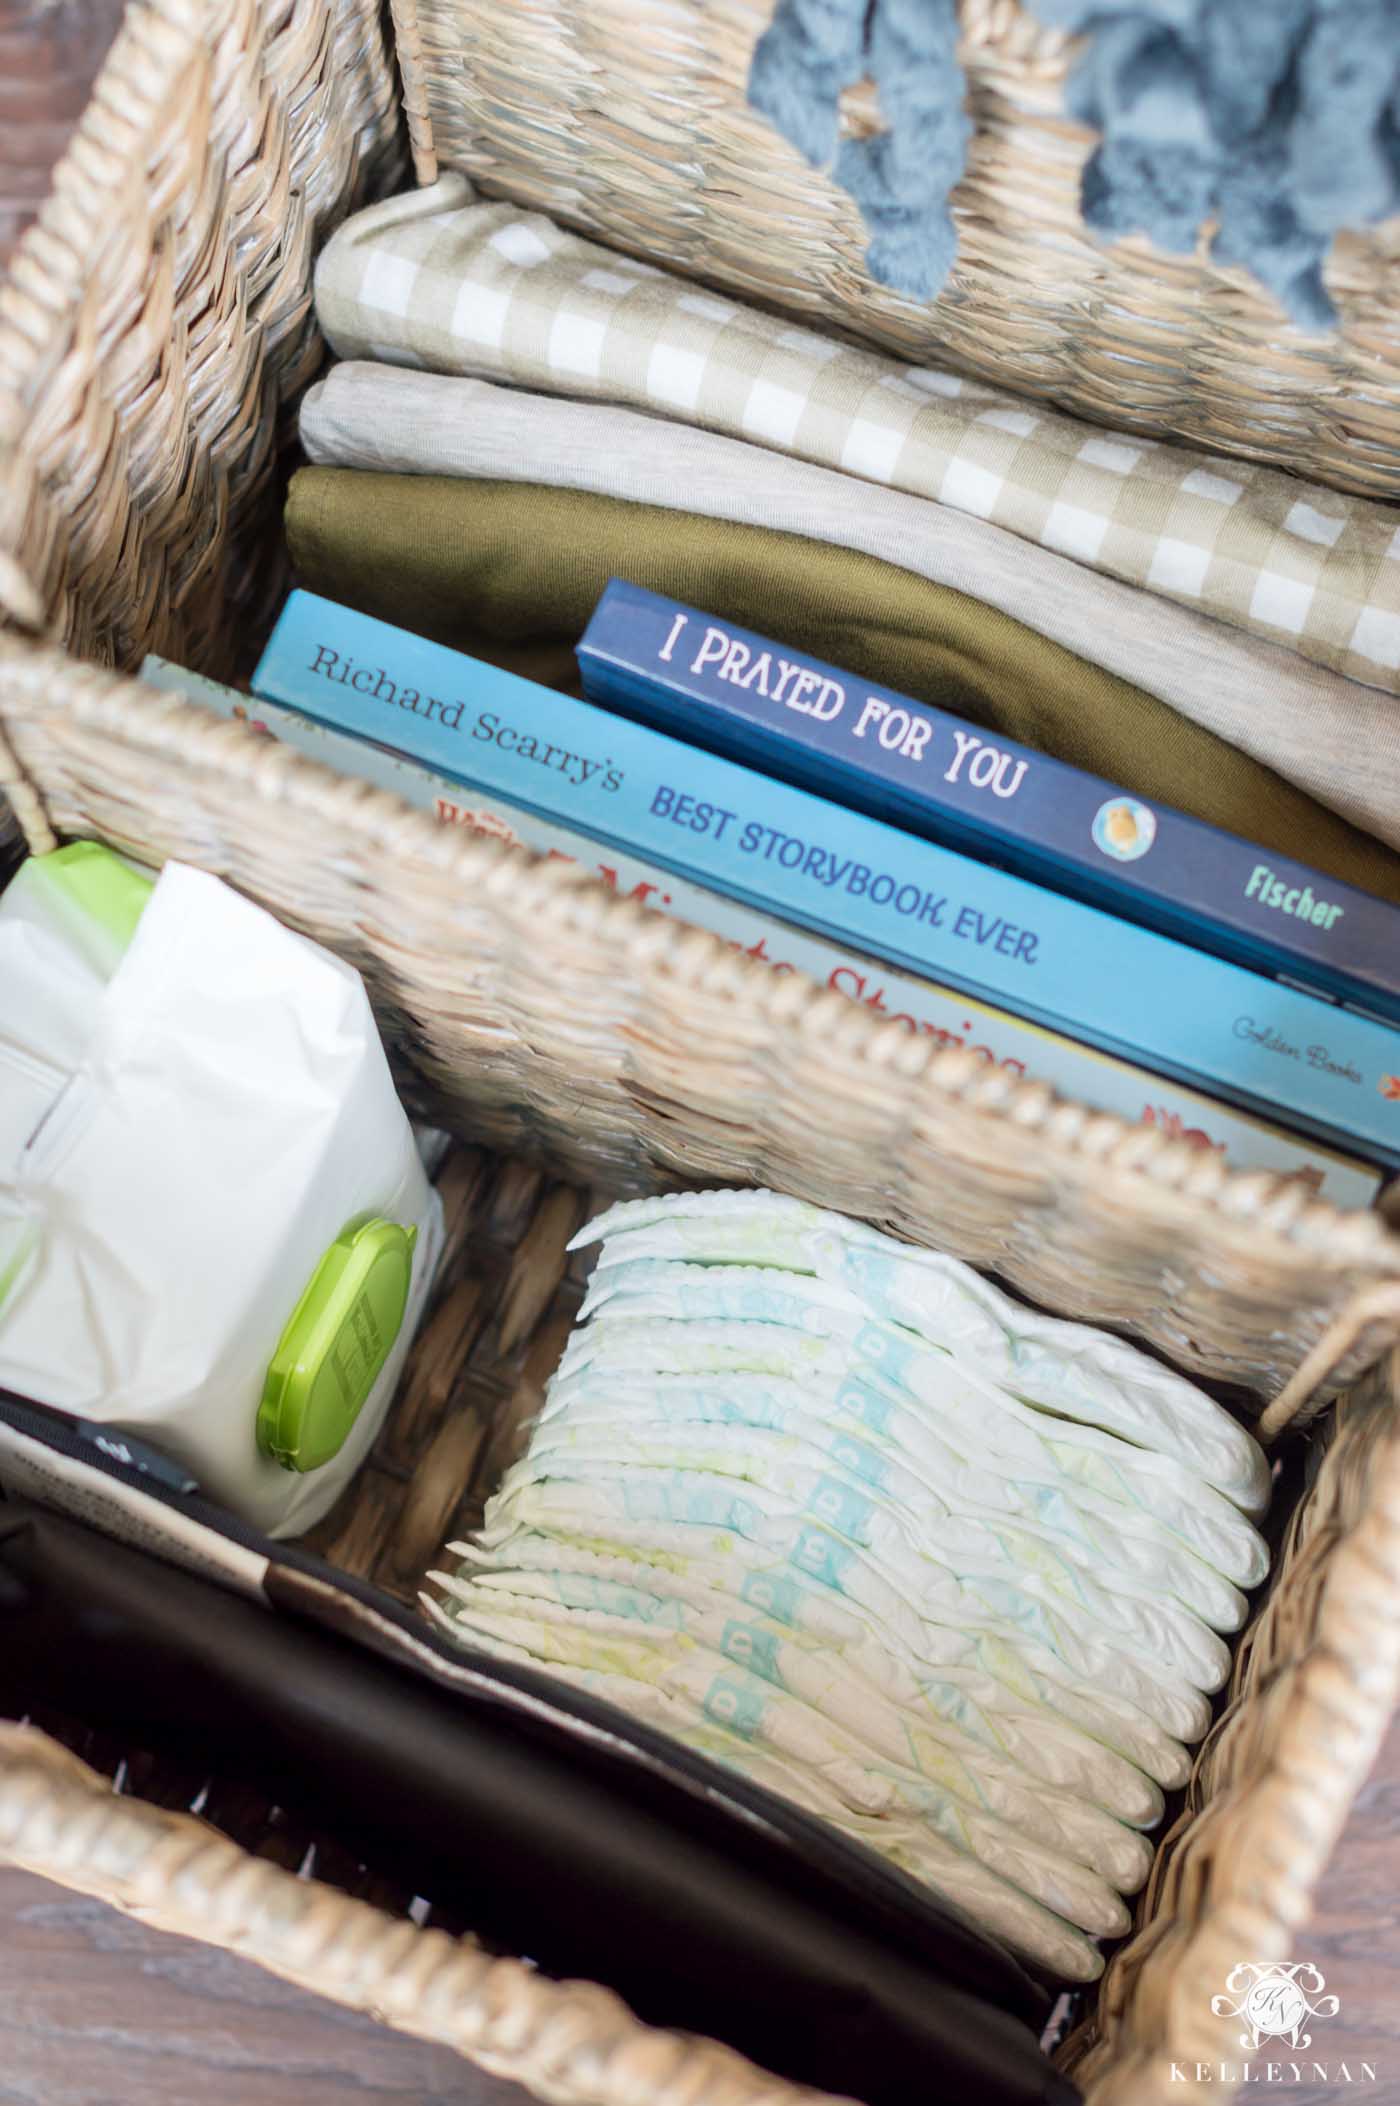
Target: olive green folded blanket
{"x": 511, "y": 572}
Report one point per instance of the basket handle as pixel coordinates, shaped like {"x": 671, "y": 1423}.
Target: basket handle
{"x": 19, "y": 600}
{"x": 570, "y": 2042}
{"x": 1300, "y": 1399}
{"x": 24, "y": 799}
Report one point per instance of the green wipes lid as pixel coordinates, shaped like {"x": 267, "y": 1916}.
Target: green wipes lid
{"x": 337, "y": 1339}
{"x": 96, "y": 893}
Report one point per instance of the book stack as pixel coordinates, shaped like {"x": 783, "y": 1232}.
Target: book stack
{"x": 982, "y": 893}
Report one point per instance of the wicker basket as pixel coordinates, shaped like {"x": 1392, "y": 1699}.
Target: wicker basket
{"x": 627, "y": 119}
{"x": 155, "y": 330}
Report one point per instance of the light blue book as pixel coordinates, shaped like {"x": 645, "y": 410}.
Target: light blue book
{"x": 1057, "y": 961}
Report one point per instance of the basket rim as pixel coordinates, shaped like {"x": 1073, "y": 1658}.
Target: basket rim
{"x": 575, "y": 2043}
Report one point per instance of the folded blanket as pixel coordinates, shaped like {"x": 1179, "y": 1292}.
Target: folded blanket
{"x": 511, "y": 572}
{"x": 1331, "y": 736}
{"x": 439, "y": 280}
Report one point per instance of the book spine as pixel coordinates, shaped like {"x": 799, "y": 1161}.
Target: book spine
{"x": 1021, "y": 1051}
{"x": 743, "y": 696}
{"x": 918, "y": 906}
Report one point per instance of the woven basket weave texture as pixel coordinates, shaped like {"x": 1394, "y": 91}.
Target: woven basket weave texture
{"x": 152, "y": 340}
{"x": 627, "y": 119}
{"x": 541, "y": 1014}
{"x": 1315, "y": 1681}
{"x": 157, "y": 317}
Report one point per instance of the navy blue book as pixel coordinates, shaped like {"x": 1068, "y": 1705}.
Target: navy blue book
{"x": 749, "y": 699}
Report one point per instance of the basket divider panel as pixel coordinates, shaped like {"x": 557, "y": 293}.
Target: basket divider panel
{"x": 628, "y": 120}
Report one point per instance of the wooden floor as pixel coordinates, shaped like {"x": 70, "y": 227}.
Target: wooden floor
{"x": 96, "y": 2010}
{"x": 49, "y": 53}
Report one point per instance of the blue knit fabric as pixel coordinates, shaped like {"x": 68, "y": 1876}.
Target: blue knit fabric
{"x": 902, "y": 177}
{"x": 1280, "y": 119}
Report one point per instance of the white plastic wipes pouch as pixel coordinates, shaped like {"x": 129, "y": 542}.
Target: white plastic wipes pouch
{"x": 229, "y": 1232}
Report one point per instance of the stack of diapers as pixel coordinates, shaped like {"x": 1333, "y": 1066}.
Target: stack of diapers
{"x": 838, "y": 1513}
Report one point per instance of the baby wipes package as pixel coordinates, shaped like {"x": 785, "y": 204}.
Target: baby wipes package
{"x": 216, "y": 1233}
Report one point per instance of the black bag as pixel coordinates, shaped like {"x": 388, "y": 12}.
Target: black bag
{"x": 552, "y": 1822}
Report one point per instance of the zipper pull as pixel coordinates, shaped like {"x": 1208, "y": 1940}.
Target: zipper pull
{"x": 136, "y": 1455}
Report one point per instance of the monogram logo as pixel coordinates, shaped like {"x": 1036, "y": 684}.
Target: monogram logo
{"x": 1276, "y": 1999}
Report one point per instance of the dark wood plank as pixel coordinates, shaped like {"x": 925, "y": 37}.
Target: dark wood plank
{"x": 99, "y": 2010}
{"x": 50, "y": 51}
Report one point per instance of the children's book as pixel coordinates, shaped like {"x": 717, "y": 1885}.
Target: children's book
{"x": 1003, "y": 1044}
{"x": 913, "y": 903}
{"x": 744, "y": 696}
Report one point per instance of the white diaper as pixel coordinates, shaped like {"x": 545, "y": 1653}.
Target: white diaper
{"x": 1016, "y": 1700}
{"x": 955, "y": 1569}
{"x": 895, "y": 1450}
{"x": 1071, "y": 1369}
{"x": 838, "y": 1513}
{"x": 735, "y": 1697}
{"x": 1013, "y": 1437}
{"x": 836, "y": 1692}
{"x": 657, "y": 1502}
{"x": 1001, "y": 1908}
